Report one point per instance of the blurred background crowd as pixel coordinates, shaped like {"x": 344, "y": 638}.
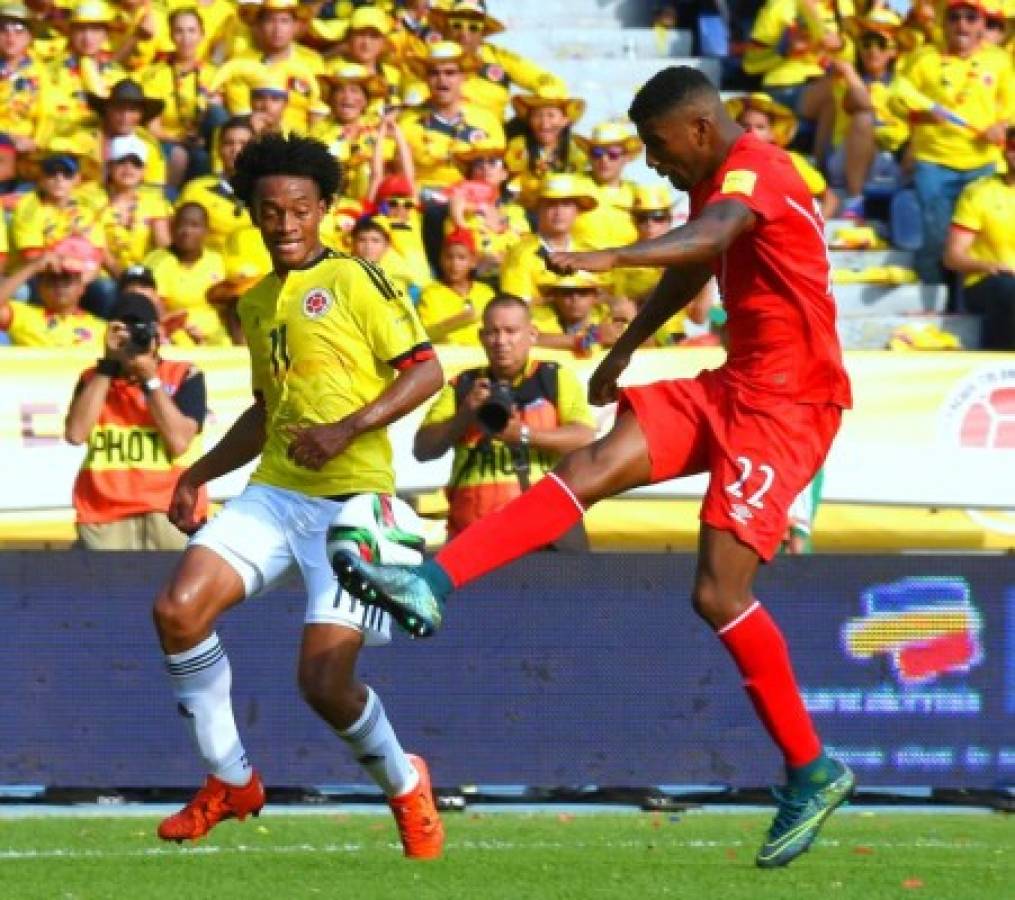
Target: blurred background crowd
{"x": 465, "y": 162}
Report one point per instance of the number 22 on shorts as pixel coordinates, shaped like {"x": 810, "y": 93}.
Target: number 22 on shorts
{"x": 765, "y": 471}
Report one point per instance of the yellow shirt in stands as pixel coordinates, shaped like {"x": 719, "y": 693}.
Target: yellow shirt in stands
{"x": 607, "y": 225}
{"x": 814, "y": 180}
{"x": 524, "y": 267}
{"x": 298, "y": 72}
{"x": 431, "y": 138}
{"x": 439, "y": 302}
{"x": 353, "y": 146}
{"x": 184, "y": 287}
{"x": 145, "y": 50}
{"x": 32, "y": 326}
{"x": 186, "y": 96}
{"x": 407, "y": 241}
{"x": 26, "y": 96}
{"x": 72, "y": 78}
{"x": 890, "y": 131}
{"x": 978, "y": 90}
{"x": 529, "y": 176}
{"x": 987, "y": 208}
{"x": 774, "y": 27}
{"x": 226, "y": 213}
{"x": 36, "y": 224}
{"x": 324, "y": 343}
{"x": 500, "y": 71}
{"x": 128, "y": 233}
{"x": 218, "y": 18}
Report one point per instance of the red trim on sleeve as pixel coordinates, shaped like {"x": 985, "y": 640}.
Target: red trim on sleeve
{"x": 955, "y": 226}
{"x": 419, "y": 353}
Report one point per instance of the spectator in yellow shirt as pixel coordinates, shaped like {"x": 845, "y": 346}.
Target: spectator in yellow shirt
{"x": 610, "y": 147}
{"x": 959, "y": 101}
{"x": 277, "y": 57}
{"x": 219, "y": 21}
{"x": 776, "y": 124}
{"x": 546, "y": 143}
{"x": 575, "y": 313}
{"x": 981, "y": 246}
{"x": 444, "y": 120}
{"x": 561, "y": 198}
{"x": 498, "y": 71}
{"x": 371, "y": 240}
{"x": 86, "y": 67}
{"x": 135, "y": 220}
{"x": 126, "y": 111}
{"x": 367, "y": 42}
{"x": 183, "y": 81}
{"x": 395, "y": 200}
{"x": 864, "y": 124}
{"x": 269, "y": 101}
{"x": 184, "y": 272}
{"x": 451, "y": 308}
{"x": 25, "y": 86}
{"x": 482, "y": 204}
{"x": 60, "y": 276}
{"x": 145, "y": 34}
{"x": 226, "y": 214}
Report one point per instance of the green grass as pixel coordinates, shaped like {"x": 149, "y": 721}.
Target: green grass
{"x": 695, "y": 855}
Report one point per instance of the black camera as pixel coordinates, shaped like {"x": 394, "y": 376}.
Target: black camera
{"x": 496, "y": 410}
{"x": 141, "y": 334}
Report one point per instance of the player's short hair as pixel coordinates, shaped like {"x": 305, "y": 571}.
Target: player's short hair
{"x": 507, "y": 301}
{"x": 292, "y": 155}
{"x": 672, "y": 87}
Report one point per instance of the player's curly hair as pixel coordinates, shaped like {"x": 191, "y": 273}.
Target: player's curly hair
{"x": 667, "y": 89}
{"x": 294, "y": 155}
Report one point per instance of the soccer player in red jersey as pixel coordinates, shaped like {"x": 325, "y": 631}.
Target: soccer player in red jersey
{"x": 760, "y": 425}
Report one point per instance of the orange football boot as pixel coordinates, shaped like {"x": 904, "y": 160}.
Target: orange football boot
{"x": 419, "y": 826}
{"x": 216, "y": 801}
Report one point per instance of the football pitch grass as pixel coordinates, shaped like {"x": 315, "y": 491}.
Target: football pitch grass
{"x": 699, "y": 854}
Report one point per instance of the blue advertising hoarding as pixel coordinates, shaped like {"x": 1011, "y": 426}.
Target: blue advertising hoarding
{"x": 557, "y": 671}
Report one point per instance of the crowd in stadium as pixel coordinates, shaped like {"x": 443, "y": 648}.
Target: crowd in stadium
{"x": 465, "y": 163}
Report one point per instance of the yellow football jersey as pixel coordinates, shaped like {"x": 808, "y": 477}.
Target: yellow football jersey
{"x": 324, "y": 343}
{"x": 226, "y": 213}
{"x": 987, "y": 208}
{"x": 185, "y": 287}
{"x": 33, "y": 326}
{"x": 438, "y": 302}
{"x": 128, "y": 233}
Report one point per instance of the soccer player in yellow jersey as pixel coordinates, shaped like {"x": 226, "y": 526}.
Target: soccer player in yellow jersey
{"x": 981, "y": 246}
{"x": 337, "y": 354}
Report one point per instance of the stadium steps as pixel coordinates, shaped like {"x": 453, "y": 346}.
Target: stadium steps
{"x": 866, "y": 259}
{"x": 554, "y": 43}
{"x": 521, "y": 14}
{"x": 872, "y": 331}
{"x": 888, "y": 299}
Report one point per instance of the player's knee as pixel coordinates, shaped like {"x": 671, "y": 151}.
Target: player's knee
{"x": 717, "y": 603}
{"x": 588, "y": 472}
{"x": 177, "y": 616}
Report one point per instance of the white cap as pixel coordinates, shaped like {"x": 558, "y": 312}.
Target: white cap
{"x": 127, "y": 145}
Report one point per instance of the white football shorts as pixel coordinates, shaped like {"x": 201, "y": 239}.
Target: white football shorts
{"x": 266, "y": 531}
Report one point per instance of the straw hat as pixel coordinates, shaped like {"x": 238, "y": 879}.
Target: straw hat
{"x": 127, "y": 91}
{"x": 30, "y": 164}
{"x": 464, "y": 9}
{"x": 353, "y": 73}
{"x": 249, "y": 10}
{"x": 564, "y": 186}
{"x": 784, "y": 122}
{"x": 464, "y": 152}
{"x": 580, "y": 280}
{"x": 366, "y": 18}
{"x": 441, "y": 52}
{"x": 92, "y": 12}
{"x": 549, "y": 94}
{"x": 608, "y": 134}
{"x": 651, "y": 198}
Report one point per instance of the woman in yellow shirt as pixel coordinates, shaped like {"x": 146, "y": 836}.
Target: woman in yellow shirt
{"x": 546, "y": 144}
{"x": 135, "y": 220}
{"x": 451, "y": 309}
{"x": 184, "y": 272}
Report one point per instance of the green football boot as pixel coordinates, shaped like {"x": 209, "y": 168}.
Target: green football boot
{"x": 800, "y": 816}
{"x": 399, "y": 590}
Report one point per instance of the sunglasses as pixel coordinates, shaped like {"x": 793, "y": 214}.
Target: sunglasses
{"x": 870, "y": 41}
{"x": 495, "y": 161}
{"x": 613, "y": 153}
{"x": 131, "y": 158}
{"x": 964, "y": 15}
{"x": 658, "y": 215}
{"x": 400, "y": 202}
{"x": 996, "y": 24}
{"x": 470, "y": 26}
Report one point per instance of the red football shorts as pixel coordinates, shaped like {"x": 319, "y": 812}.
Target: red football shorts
{"x": 760, "y": 454}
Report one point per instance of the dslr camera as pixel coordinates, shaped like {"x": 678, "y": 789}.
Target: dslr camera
{"x": 496, "y": 410}
{"x": 140, "y": 335}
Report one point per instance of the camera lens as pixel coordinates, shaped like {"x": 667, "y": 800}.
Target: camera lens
{"x": 494, "y": 414}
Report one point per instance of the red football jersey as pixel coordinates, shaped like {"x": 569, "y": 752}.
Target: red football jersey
{"x": 775, "y": 281}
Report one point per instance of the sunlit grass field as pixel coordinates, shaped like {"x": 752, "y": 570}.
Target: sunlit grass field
{"x": 507, "y": 855}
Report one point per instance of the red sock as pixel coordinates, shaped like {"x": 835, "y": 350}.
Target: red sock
{"x": 533, "y": 520}
{"x": 761, "y": 654}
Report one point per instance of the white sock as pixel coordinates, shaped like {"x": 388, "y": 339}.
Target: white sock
{"x": 372, "y": 741}
{"x": 201, "y": 682}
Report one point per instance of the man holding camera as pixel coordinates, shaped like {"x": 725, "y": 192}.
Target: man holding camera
{"x": 140, "y": 416}
{"x": 509, "y": 422}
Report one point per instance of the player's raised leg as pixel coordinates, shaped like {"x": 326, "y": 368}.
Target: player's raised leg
{"x": 415, "y": 595}
{"x": 203, "y": 586}
{"x": 329, "y": 685}
{"x": 816, "y": 783}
